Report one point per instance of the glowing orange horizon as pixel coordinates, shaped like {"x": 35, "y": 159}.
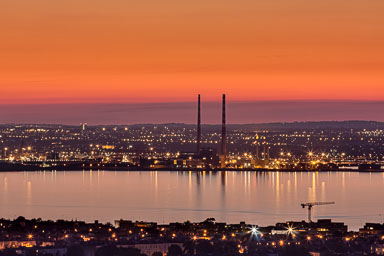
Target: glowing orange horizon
{"x": 168, "y": 51}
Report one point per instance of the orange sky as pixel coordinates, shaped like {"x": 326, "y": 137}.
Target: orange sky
{"x": 169, "y": 50}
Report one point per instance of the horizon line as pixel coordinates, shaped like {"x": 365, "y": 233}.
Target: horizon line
{"x": 193, "y": 101}
{"x": 206, "y": 124}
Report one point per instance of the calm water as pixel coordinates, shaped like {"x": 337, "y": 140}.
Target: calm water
{"x": 257, "y": 198}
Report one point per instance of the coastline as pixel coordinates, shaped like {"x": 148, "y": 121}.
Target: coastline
{"x": 82, "y": 166}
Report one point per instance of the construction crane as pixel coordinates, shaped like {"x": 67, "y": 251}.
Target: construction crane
{"x": 310, "y": 205}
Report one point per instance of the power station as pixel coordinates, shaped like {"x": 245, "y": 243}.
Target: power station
{"x": 201, "y": 157}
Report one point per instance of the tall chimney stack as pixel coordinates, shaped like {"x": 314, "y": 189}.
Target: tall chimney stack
{"x": 198, "y": 125}
{"x": 223, "y": 137}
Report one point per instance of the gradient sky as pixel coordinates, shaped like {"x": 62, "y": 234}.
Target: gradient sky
{"x": 67, "y": 51}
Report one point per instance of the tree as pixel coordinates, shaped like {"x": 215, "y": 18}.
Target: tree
{"x": 128, "y": 252}
{"x": 293, "y": 250}
{"x": 75, "y": 250}
{"x": 230, "y": 248}
{"x": 204, "y": 247}
{"x": 175, "y": 250}
{"x": 106, "y": 251}
{"x": 189, "y": 247}
{"x": 9, "y": 252}
{"x": 114, "y": 251}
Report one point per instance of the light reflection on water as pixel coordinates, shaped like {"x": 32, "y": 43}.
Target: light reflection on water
{"x": 255, "y": 197}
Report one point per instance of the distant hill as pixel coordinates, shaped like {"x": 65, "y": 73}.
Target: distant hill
{"x": 352, "y": 124}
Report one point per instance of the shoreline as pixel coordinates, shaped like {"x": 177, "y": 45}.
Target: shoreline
{"x": 20, "y": 168}
{"x": 123, "y": 167}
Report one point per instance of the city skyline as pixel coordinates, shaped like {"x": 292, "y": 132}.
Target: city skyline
{"x": 191, "y": 128}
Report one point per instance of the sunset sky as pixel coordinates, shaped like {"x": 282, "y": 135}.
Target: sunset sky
{"x": 169, "y": 50}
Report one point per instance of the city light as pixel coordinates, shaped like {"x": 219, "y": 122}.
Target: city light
{"x": 255, "y": 233}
